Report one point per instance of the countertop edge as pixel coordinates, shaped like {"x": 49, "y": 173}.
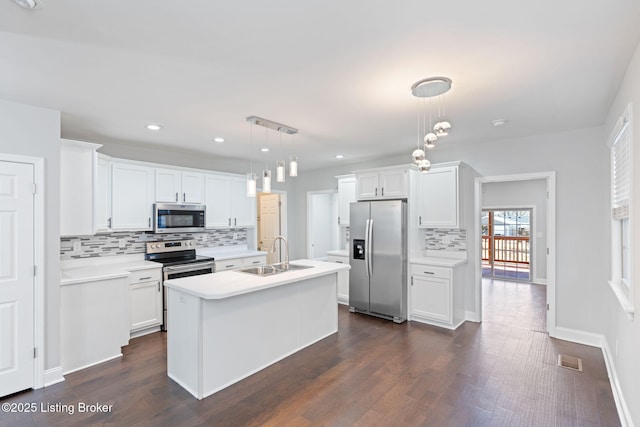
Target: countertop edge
{"x": 438, "y": 262}
{"x": 324, "y": 269}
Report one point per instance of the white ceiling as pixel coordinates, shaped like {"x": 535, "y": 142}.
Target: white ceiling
{"x": 339, "y": 71}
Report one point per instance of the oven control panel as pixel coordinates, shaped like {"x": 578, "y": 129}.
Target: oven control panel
{"x": 171, "y": 246}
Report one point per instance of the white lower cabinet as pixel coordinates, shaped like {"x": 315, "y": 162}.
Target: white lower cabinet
{"x": 145, "y": 301}
{"x": 234, "y": 263}
{"x": 343, "y": 278}
{"x": 436, "y": 298}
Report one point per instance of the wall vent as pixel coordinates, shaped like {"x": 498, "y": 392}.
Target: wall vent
{"x": 570, "y": 362}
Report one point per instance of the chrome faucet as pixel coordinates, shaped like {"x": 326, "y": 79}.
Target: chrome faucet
{"x": 286, "y": 248}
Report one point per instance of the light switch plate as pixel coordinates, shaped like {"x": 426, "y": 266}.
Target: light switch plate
{"x": 77, "y": 246}
{"x": 122, "y": 243}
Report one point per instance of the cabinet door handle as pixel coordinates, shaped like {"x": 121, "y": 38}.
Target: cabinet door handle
{"x": 229, "y": 222}
{"x": 338, "y": 220}
{"x": 109, "y": 222}
{"x": 229, "y": 266}
{"x": 176, "y": 196}
{"x": 339, "y": 262}
{"x": 376, "y": 192}
{"x": 429, "y": 272}
{"x": 158, "y": 286}
{"x": 235, "y": 221}
{"x": 184, "y": 197}
{"x": 382, "y": 195}
{"x": 411, "y": 280}
{"x": 420, "y": 220}
{"x": 149, "y": 221}
{"x": 144, "y": 278}
{"x": 256, "y": 262}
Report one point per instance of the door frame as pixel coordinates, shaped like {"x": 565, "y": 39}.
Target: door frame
{"x": 532, "y": 246}
{"x": 310, "y": 195}
{"x": 550, "y": 178}
{"x": 39, "y": 227}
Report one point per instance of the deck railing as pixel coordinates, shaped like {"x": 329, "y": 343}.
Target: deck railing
{"x": 507, "y": 249}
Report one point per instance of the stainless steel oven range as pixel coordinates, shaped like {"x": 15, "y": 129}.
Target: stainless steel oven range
{"x": 178, "y": 259}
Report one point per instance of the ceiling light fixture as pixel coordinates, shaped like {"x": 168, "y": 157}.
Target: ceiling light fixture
{"x": 218, "y": 139}
{"x": 154, "y": 127}
{"x": 339, "y": 156}
{"x": 499, "y": 122}
{"x": 430, "y": 88}
{"x": 264, "y": 149}
{"x": 293, "y": 160}
{"x": 280, "y": 172}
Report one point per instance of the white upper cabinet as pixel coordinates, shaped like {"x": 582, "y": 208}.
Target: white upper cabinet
{"x": 243, "y": 208}
{"x": 132, "y": 196}
{"x": 103, "y": 194}
{"x": 175, "y": 186}
{"x": 438, "y": 198}
{"x": 385, "y": 183}
{"x": 346, "y": 195}
{"x": 77, "y": 180}
{"x": 227, "y": 202}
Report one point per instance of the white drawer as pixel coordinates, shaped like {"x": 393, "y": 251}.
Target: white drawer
{"x": 338, "y": 259}
{"x": 228, "y": 264}
{"x": 430, "y": 271}
{"x": 140, "y": 276}
{"x": 254, "y": 260}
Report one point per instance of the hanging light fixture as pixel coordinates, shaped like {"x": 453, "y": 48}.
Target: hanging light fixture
{"x": 266, "y": 173}
{"x": 251, "y": 177}
{"x": 293, "y": 162}
{"x": 280, "y": 165}
{"x": 280, "y": 172}
{"x": 443, "y": 126}
{"x": 429, "y": 88}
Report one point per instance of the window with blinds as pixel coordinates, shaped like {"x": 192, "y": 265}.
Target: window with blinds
{"x": 621, "y": 146}
{"x": 621, "y": 173}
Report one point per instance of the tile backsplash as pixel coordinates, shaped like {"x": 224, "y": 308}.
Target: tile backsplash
{"x": 135, "y": 242}
{"x": 446, "y": 239}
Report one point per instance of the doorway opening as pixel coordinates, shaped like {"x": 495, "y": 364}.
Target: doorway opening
{"x": 322, "y": 226}
{"x": 506, "y": 243}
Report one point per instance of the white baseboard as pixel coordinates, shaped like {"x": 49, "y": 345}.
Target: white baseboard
{"x": 53, "y": 376}
{"x": 472, "y": 316}
{"x": 579, "y": 337}
{"x": 97, "y": 362}
{"x": 618, "y": 397}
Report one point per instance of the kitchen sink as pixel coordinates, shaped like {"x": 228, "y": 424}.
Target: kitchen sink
{"x": 268, "y": 270}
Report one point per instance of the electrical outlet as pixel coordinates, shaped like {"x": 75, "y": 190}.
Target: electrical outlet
{"x": 235, "y": 236}
{"x": 122, "y": 243}
{"x": 77, "y": 246}
{"x": 446, "y": 240}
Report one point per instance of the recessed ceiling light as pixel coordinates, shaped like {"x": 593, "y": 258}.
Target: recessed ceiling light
{"x": 27, "y": 4}
{"x": 264, "y": 150}
{"x": 218, "y": 139}
{"x": 499, "y": 122}
{"x": 339, "y": 156}
{"x": 154, "y": 127}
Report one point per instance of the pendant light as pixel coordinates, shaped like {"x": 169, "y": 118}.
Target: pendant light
{"x": 251, "y": 177}
{"x": 418, "y": 153}
{"x": 293, "y": 162}
{"x": 429, "y": 88}
{"x": 443, "y": 126}
{"x": 266, "y": 173}
{"x": 280, "y": 172}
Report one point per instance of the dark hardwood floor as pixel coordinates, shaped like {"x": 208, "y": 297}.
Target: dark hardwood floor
{"x": 502, "y": 372}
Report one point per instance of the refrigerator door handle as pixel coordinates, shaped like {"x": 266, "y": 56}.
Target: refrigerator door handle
{"x": 366, "y": 249}
{"x": 370, "y": 247}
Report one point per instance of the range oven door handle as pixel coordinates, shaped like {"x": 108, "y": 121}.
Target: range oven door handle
{"x": 189, "y": 267}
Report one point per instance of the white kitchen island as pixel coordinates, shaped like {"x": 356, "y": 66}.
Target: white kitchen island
{"x": 226, "y": 326}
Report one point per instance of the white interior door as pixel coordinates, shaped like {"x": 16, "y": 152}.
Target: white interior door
{"x": 269, "y": 225}
{"x": 16, "y": 277}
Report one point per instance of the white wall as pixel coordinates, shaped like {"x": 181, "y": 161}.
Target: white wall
{"x": 518, "y": 194}
{"x": 619, "y": 331}
{"x": 35, "y": 132}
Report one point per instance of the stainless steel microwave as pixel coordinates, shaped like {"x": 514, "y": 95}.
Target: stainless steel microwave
{"x": 175, "y": 218}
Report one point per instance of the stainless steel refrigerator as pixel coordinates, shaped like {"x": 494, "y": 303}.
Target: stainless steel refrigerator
{"x": 378, "y": 259}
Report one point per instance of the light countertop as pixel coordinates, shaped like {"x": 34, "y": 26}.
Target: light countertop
{"x": 437, "y": 261}
{"x": 103, "y": 268}
{"x": 230, "y": 283}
